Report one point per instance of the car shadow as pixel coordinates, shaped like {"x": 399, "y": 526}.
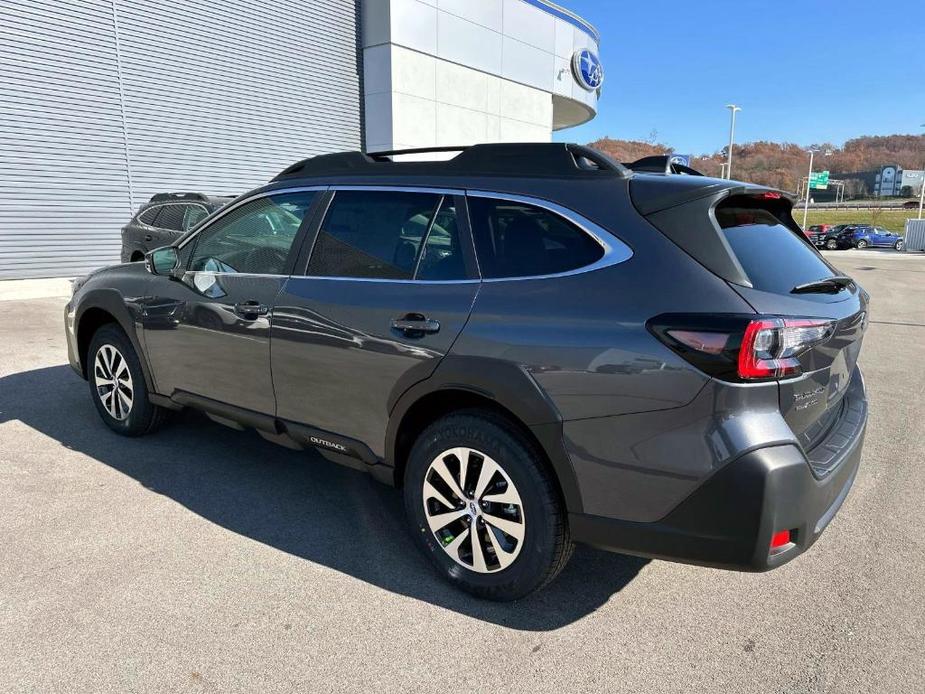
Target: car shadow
{"x": 294, "y": 501}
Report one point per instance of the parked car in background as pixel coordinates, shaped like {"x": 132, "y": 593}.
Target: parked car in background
{"x": 831, "y": 237}
{"x": 817, "y": 232}
{"x": 465, "y": 330}
{"x": 911, "y": 205}
{"x": 164, "y": 219}
{"x": 864, "y": 236}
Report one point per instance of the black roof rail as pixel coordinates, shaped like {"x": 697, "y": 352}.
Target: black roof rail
{"x": 164, "y": 197}
{"x": 554, "y": 159}
{"x": 661, "y": 163}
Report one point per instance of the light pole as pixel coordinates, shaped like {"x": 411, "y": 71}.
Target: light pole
{"x": 922, "y": 189}
{"x": 809, "y": 177}
{"x": 732, "y": 132}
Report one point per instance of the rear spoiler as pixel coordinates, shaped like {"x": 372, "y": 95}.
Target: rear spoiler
{"x": 661, "y": 164}
{"x": 167, "y": 197}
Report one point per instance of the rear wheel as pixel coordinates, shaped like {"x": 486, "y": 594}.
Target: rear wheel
{"x": 831, "y": 244}
{"x": 900, "y": 245}
{"x": 484, "y": 507}
{"x": 117, "y": 384}
{"x": 862, "y": 244}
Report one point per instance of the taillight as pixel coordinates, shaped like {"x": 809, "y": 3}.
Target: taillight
{"x": 771, "y": 346}
{"x": 742, "y": 348}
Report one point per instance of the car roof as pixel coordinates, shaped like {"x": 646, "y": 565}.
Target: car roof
{"x": 519, "y": 168}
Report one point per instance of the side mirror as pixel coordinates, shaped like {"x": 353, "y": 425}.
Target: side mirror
{"x": 162, "y": 261}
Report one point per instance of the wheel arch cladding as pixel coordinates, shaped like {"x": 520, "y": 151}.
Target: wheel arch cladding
{"x": 99, "y": 308}
{"x": 496, "y": 386}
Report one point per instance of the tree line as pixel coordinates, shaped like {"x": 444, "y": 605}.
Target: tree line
{"x": 782, "y": 165}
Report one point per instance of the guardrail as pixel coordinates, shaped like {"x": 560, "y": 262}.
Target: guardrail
{"x": 861, "y": 205}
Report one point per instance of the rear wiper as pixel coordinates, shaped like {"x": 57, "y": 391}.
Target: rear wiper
{"x": 827, "y": 285}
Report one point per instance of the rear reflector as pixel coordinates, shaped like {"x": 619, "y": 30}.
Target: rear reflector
{"x": 779, "y": 539}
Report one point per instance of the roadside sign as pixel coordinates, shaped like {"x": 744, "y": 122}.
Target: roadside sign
{"x": 682, "y": 159}
{"x": 819, "y": 180}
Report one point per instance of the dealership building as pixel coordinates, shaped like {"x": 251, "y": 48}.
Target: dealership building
{"x": 106, "y": 102}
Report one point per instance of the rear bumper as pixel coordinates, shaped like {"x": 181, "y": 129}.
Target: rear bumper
{"x": 729, "y": 521}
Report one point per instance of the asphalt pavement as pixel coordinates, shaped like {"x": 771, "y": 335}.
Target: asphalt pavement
{"x": 203, "y": 559}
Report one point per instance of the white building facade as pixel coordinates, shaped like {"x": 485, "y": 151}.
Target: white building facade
{"x": 106, "y": 102}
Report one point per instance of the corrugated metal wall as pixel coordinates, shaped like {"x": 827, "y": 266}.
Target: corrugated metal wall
{"x": 105, "y": 102}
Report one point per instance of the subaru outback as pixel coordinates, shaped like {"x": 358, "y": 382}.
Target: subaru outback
{"x": 538, "y": 345}
{"x": 164, "y": 219}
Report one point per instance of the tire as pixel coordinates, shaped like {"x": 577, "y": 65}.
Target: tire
{"x": 899, "y": 245}
{"x": 831, "y": 244}
{"x": 862, "y": 244}
{"x": 510, "y": 568}
{"x": 131, "y": 414}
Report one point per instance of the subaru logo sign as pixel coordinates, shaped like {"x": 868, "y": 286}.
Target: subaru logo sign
{"x": 589, "y": 72}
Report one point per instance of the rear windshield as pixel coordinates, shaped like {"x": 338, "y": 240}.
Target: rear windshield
{"x": 774, "y": 257}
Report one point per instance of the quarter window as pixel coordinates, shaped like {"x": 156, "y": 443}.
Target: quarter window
{"x": 255, "y": 238}
{"x": 388, "y": 235}
{"x": 149, "y": 215}
{"x": 514, "y": 239}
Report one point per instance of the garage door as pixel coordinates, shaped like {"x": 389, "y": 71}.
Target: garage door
{"x": 103, "y": 103}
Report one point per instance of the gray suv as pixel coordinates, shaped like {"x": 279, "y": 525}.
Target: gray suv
{"x": 539, "y": 345}
{"x": 164, "y": 219}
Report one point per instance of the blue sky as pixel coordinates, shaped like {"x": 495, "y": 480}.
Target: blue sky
{"x": 672, "y": 66}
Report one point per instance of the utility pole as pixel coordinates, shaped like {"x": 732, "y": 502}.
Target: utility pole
{"x": 732, "y": 131}
{"x": 922, "y": 189}
{"x": 809, "y": 178}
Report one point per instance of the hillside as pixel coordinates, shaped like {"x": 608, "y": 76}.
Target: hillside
{"x": 781, "y": 165}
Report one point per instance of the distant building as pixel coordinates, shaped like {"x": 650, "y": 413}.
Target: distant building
{"x": 885, "y": 182}
{"x": 913, "y": 180}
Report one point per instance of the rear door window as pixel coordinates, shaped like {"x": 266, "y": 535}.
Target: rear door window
{"x": 388, "y": 235}
{"x": 171, "y": 217}
{"x": 774, "y": 258}
{"x": 514, "y": 239}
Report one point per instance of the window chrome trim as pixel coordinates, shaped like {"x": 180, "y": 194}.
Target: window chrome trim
{"x": 232, "y": 206}
{"x": 615, "y": 250}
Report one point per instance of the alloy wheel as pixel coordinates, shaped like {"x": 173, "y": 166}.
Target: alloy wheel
{"x": 474, "y": 510}
{"x": 113, "y": 381}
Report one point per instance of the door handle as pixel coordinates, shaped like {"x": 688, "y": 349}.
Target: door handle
{"x": 148, "y": 237}
{"x": 415, "y": 325}
{"x": 251, "y": 309}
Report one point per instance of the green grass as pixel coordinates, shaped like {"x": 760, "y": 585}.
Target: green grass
{"x": 891, "y": 219}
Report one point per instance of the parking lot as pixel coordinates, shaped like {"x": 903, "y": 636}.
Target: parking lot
{"x": 205, "y": 559}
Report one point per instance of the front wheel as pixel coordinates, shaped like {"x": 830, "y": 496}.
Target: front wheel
{"x": 900, "y": 245}
{"x": 831, "y": 244}
{"x": 117, "y": 384}
{"x": 484, "y": 507}
{"x": 862, "y": 244}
